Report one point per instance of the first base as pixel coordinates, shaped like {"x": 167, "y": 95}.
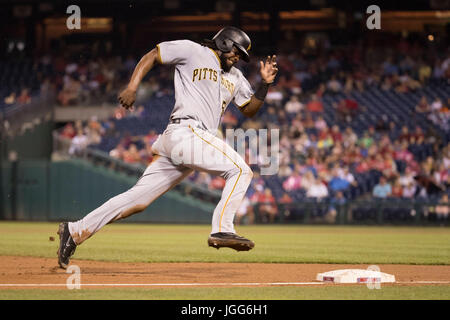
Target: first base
{"x": 355, "y": 276}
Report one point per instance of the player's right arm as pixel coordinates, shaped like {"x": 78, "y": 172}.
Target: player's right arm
{"x": 167, "y": 52}
{"x": 128, "y": 96}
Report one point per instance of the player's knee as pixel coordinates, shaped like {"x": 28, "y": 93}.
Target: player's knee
{"x": 246, "y": 173}
{"x": 242, "y": 169}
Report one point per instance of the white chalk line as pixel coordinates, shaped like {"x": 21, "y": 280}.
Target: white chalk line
{"x": 423, "y": 282}
{"x": 158, "y": 284}
{"x": 193, "y": 284}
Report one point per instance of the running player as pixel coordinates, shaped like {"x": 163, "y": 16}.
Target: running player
{"x": 205, "y": 82}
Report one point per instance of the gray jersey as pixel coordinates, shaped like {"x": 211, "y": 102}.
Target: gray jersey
{"x": 202, "y": 89}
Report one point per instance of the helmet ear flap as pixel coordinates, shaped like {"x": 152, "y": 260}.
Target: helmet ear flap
{"x": 224, "y": 45}
{"x": 228, "y": 44}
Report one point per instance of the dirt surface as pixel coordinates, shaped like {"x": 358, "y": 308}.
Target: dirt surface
{"x": 32, "y": 270}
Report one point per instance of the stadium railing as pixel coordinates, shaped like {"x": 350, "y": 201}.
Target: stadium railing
{"x": 396, "y": 211}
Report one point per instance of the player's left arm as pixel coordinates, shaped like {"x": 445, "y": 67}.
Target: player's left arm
{"x": 268, "y": 71}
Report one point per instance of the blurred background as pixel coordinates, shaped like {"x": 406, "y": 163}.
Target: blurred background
{"x": 363, "y": 113}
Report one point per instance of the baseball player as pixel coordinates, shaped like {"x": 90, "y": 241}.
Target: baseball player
{"x": 205, "y": 81}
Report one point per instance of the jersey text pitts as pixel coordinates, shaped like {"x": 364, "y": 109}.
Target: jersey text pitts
{"x": 203, "y": 74}
{"x": 211, "y": 74}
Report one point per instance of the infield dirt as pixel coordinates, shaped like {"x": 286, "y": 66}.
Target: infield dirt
{"x": 33, "y": 270}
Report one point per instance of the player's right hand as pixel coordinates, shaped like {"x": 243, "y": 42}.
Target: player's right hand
{"x": 127, "y": 98}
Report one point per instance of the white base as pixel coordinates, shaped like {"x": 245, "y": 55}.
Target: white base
{"x": 355, "y": 276}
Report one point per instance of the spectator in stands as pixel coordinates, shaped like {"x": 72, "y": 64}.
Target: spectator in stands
{"x": 294, "y": 182}
{"x": 320, "y": 124}
{"x": 348, "y": 176}
{"x": 267, "y": 206}
{"x": 347, "y": 109}
{"x": 337, "y": 183}
{"x": 428, "y": 186}
{"x": 422, "y": 106}
{"x": 404, "y": 136}
{"x": 336, "y": 134}
{"x": 441, "y": 174}
{"x": 229, "y": 119}
{"x": 132, "y": 155}
{"x": 11, "y": 99}
{"x": 118, "y": 152}
{"x": 388, "y": 167}
{"x": 407, "y": 177}
{"x": 315, "y": 105}
{"x": 333, "y": 85}
{"x": 289, "y": 83}
{"x": 285, "y": 199}
{"x": 397, "y": 189}
{"x": 70, "y": 92}
{"x": 366, "y": 141}
{"x": 424, "y": 72}
{"x": 382, "y": 189}
{"x": 317, "y": 189}
{"x": 418, "y": 135}
{"x": 271, "y": 115}
{"x": 217, "y": 183}
{"x": 24, "y": 97}
{"x": 336, "y": 204}
{"x": 436, "y": 105}
{"x": 440, "y": 118}
{"x": 284, "y": 171}
{"x": 349, "y": 137}
{"x": 94, "y": 131}
{"x": 293, "y": 106}
{"x": 275, "y": 95}
{"x": 403, "y": 153}
{"x": 443, "y": 208}
{"x": 68, "y": 131}
{"x": 78, "y": 143}
{"x": 410, "y": 190}
{"x": 325, "y": 141}
{"x": 46, "y": 87}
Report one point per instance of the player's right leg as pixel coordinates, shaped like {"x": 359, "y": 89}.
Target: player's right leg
{"x": 160, "y": 176}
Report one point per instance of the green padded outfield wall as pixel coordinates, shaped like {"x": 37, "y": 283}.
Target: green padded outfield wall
{"x": 68, "y": 190}
{"x": 35, "y": 143}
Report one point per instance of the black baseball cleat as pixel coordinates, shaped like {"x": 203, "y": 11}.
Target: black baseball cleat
{"x": 66, "y": 245}
{"x": 230, "y": 240}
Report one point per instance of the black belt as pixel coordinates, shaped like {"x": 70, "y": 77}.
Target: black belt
{"x": 178, "y": 120}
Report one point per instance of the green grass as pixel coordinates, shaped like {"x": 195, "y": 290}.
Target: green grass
{"x": 360, "y": 292}
{"x": 125, "y": 242}
{"x": 274, "y": 244}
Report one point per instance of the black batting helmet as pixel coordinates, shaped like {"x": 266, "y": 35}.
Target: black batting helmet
{"x": 228, "y": 37}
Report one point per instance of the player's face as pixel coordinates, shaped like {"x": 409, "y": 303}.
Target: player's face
{"x": 229, "y": 59}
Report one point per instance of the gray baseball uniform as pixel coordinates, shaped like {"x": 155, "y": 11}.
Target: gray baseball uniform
{"x": 202, "y": 92}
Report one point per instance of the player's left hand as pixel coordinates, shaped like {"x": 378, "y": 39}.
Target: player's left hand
{"x": 269, "y": 69}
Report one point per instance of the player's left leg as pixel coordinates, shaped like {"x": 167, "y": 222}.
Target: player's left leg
{"x": 219, "y": 158}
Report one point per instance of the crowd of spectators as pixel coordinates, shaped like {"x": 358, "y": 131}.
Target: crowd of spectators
{"x": 317, "y": 158}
